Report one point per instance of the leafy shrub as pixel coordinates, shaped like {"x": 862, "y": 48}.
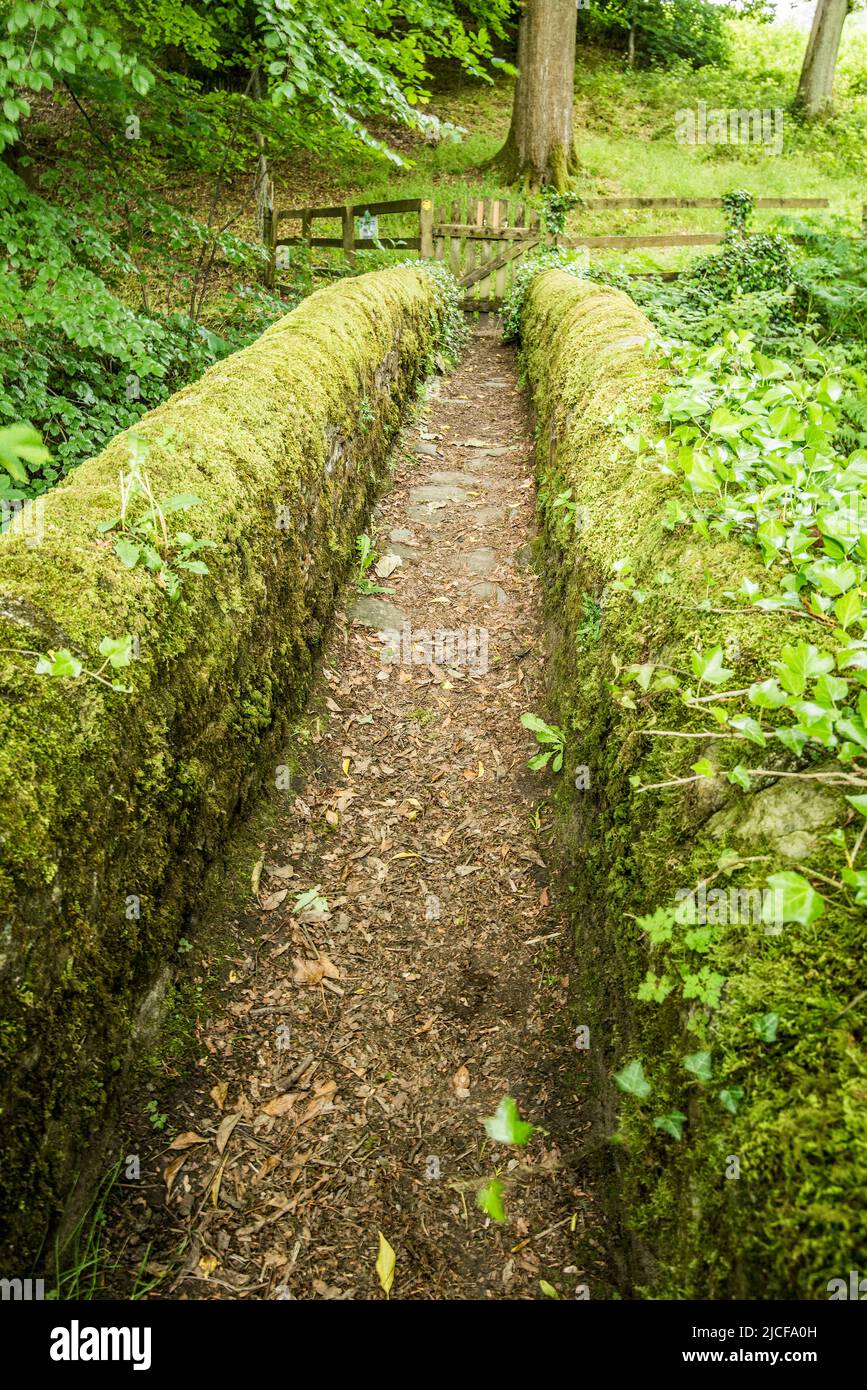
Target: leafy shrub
{"x": 664, "y": 30}
{"x": 76, "y": 360}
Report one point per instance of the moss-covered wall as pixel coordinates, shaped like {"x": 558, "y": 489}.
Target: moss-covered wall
{"x": 796, "y": 1216}
{"x": 106, "y": 797}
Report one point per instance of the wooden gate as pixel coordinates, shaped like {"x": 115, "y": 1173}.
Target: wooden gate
{"x": 483, "y": 244}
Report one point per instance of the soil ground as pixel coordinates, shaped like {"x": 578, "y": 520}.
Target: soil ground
{"x": 355, "y": 1047}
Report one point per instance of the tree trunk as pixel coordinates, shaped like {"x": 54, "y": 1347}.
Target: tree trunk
{"x": 539, "y": 149}
{"x": 815, "y": 88}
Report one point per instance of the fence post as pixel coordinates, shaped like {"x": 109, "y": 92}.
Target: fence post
{"x": 269, "y": 236}
{"x": 425, "y": 227}
{"x": 349, "y": 234}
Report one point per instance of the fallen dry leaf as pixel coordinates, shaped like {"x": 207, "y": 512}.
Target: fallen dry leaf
{"x": 274, "y": 899}
{"x": 387, "y": 565}
{"x": 226, "y": 1127}
{"x": 280, "y": 1104}
{"x": 310, "y": 972}
{"x": 219, "y": 1093}
{"x": 461, "y": 1082}
{"x": 171, "y": 1172}
{"x": 186, "y": 1141}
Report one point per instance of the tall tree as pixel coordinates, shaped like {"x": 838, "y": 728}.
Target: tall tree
{"x": 539, "y": 149}
{"x": 816, "y": 85}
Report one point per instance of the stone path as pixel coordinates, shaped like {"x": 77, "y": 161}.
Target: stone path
{"x": 359, "y": 1042}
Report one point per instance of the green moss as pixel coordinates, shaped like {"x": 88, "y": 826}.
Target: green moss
{"x": 106, "y": 796}
{"x": 795, "y": 1217}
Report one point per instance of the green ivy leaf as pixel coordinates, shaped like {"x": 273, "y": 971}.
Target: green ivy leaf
{"x": 633, "y": 1081}
{"x": 490, "y": 1199}
{"x": 710, "y": 668}
{"x": 506, "y": 1125}
{"x": 731, "y": 1097}
{"x": 700, "y": 1065}
{"x": 795, "y": 900}
{"x": 766, "y": 1025}
{"x": 672, "y": 1123}
{"x": 60, "y": 663}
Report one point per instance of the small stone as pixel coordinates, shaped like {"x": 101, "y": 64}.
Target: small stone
{"x": 480, "y": 561}
{"x": 438, "y": 494}
{"x": 377, "y": 613}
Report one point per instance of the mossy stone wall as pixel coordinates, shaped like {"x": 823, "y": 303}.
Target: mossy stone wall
{"x": 108, "y": 797}
{"x": 796, "y": 1216}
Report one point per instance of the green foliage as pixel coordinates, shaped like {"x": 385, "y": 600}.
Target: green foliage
{"x": 21, "y": 445}
{"x": 506, "y": 1125}
{"x": 633, "y": 1081}
{"x": 663, "y": 30}
{"x": 51, "y": 43}
{"x": 552, "y": 739}
{"x": 366, "y": 552}
{"x": 75, "y": 360}
{"x": 447, "y": 315}
{"x": 528, "y": 268}
{"x": 144, "y": 537}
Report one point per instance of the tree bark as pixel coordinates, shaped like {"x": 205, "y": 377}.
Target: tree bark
{"x": 815, "y": 88}
{"x": 539, "y": 149}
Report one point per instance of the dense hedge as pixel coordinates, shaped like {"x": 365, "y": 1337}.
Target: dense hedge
{"x": 792, "y": 1120}
{"x": 108, "y": 798}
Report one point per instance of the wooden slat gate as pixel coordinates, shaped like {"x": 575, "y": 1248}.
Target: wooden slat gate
{"x": 482, "y": 246}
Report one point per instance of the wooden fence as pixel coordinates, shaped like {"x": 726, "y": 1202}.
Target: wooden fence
{"x": 484, "y": 241}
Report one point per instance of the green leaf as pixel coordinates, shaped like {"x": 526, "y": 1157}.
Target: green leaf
{"x": 765, "y": 1025}
{"x": 849, "y": 608}
{"x": 710, "y": 668}
{"x": 60, "y": 663}
{"x": 633, "y": 1081}
{"x": 767, "y": 695}
{"x": 795, "y": 900}
{"x": 181, "y": 502}
{"x": 739, "y": 777}
{"x": 749, "y": 728}
{"x": 704, "y": 768}
{"x": 490, "y": 1199}
{"x": 654, "y": 989}
{"x": 548, "y": 1289}
{"x": 731, "y": 1098}
{"x": 658, "y": 925}
{"x": 699, "y": 1064}
{"x": 118, "y": 650}
{"x": 506, "y": 1126}
{"x": 127, "y": 552}
{"x": 672, "y": 1123}
{"x": 539, "y": 760}
{"x": 800, "y": 664}
{"x": 859, "y": 803}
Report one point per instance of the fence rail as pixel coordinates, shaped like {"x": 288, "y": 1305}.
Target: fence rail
{"x": 483, "y": 242}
